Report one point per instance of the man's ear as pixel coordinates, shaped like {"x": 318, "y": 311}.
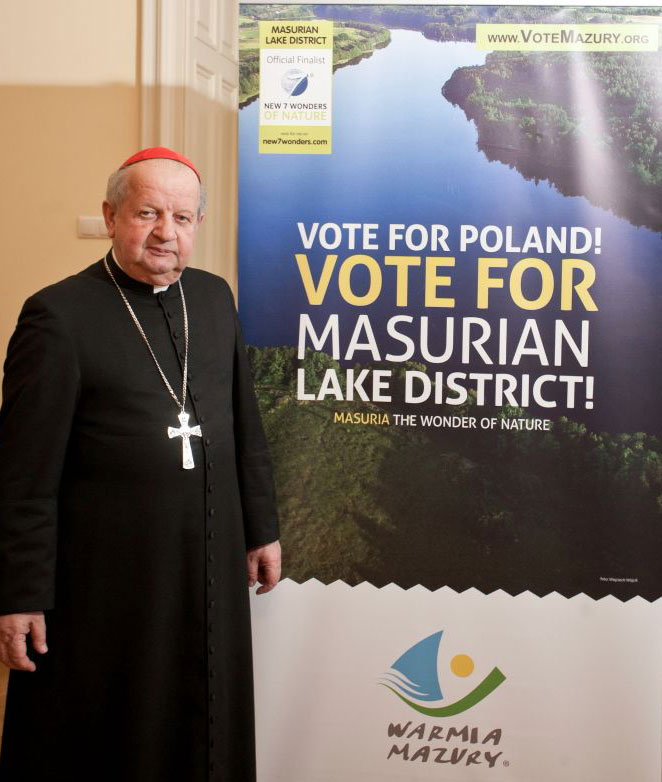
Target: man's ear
{"x": 201, "y": 219}
{"x": 109, "y": 217}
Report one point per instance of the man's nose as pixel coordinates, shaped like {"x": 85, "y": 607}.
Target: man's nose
{"x": 165, "y": 228}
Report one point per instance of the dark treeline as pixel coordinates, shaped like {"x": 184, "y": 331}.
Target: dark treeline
{"x": 286, "y": 11}
{"x": 442, "y": 23}
{"x": 458, "y": 22}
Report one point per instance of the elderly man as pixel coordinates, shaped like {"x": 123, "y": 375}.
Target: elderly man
{"x": 135, "y": 488}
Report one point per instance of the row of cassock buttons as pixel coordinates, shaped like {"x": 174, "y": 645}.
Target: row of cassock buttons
{"x": 211, "y": 580}
{"x": 211, "y": 534}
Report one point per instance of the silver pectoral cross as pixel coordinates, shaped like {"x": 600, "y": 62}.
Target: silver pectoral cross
{"x": 185, "y": 432}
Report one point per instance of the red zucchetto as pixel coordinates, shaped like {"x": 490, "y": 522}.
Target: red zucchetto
{"x": 160, "y": 153}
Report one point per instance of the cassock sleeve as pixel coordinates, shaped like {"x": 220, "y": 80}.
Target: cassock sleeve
{"x": 253, "y": 461}
{"x": 40, "y": 389}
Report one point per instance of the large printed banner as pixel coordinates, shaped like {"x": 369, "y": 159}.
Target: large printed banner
{"x": 453, "y": 318}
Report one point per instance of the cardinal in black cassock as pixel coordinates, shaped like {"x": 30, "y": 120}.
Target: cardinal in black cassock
{"x": 138, "y": 564}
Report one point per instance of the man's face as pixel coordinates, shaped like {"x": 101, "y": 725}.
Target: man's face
{"x": 154, "y": 228}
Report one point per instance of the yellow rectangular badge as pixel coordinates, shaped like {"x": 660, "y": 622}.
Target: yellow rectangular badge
{"x": 296, "y": 72}
{"x": 302, "y": 34}
{"x": 567, "y": 37}
{"x": 289, "y": 140}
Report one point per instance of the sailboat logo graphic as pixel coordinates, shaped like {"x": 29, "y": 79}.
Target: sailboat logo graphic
{"x": 414, "y": 678}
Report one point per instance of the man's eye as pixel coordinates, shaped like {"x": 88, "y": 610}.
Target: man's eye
{"x": 183, "y": 218}
{"x": 146, "y": 213}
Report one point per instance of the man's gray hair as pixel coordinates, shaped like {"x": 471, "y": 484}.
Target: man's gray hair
{"x": 117, "y": 187}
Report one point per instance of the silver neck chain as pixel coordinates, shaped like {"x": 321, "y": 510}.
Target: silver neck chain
{"x": 134, "y": 317}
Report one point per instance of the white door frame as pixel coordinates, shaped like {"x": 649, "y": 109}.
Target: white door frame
{"x": 189, "y": 102}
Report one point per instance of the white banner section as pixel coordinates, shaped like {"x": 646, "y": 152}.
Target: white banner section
{"x": 359, "y": 684}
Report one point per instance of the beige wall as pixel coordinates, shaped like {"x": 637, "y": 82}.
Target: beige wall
{"x": 70, "y": 115}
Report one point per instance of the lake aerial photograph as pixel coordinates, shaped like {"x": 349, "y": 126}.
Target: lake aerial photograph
{"x": 429, "y": 130}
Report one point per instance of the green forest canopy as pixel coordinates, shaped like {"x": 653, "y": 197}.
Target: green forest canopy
{"x": 367, "y": 502}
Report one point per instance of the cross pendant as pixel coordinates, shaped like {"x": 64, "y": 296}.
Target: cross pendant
{"x": 185, "y": 432}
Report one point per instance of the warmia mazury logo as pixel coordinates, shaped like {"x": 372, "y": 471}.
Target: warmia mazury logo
{"x": 414, "y": 678}
{"x": 294, "y": 82}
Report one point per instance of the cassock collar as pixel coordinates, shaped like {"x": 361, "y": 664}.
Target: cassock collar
{"x": 124, "y": 281}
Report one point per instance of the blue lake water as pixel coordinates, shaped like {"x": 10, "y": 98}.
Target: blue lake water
{"x": 403, "y": 154}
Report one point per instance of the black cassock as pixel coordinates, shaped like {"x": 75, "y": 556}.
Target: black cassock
{"x": 138, "y": 563}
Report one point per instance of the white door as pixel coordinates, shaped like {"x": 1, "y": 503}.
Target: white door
{"x": 189, "y": 102}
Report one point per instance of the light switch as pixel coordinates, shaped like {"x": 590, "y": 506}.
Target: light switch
{"x": 92, "y": 228}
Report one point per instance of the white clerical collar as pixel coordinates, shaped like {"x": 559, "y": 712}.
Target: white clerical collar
{"x": 157, "y": 288}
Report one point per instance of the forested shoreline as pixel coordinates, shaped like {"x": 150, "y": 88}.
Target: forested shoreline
{"x": 529, "y": 116}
